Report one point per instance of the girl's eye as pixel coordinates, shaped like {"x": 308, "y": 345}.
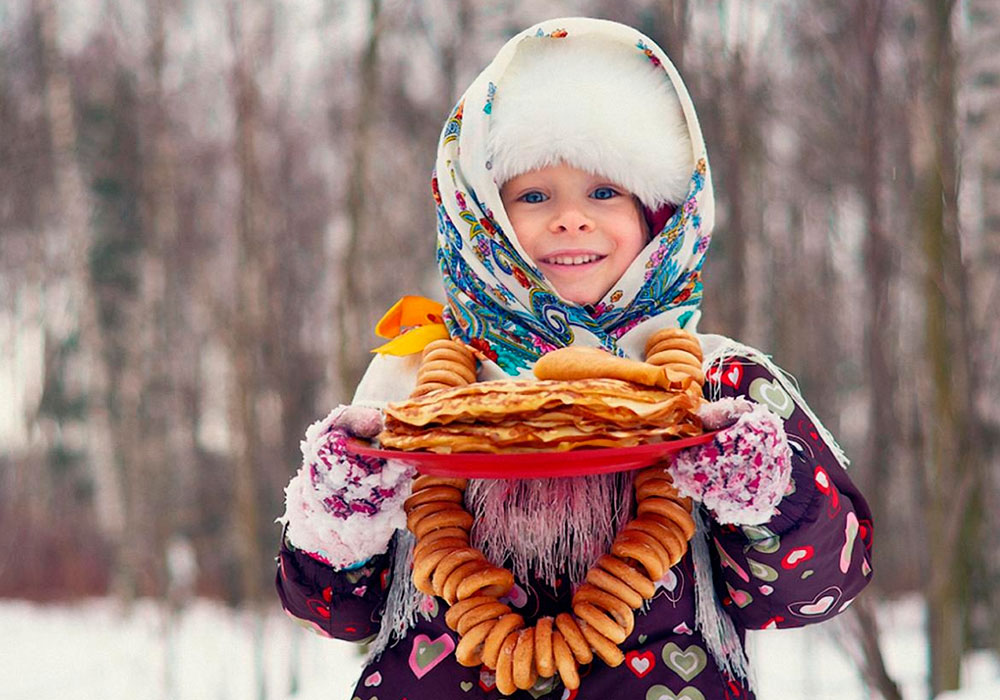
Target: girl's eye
{"x": 533, "y": 197}
{"x": 604, "y": 193}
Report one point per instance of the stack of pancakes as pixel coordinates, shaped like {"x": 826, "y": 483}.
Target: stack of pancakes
{"x": 556, "y": 414}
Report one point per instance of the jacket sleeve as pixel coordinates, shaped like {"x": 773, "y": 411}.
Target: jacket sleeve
{"x": 344, "y": 604}
{"x": 813, "y": 557}
{"x": 342, "y": 514}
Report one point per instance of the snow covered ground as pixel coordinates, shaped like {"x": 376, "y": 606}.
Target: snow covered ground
{"x": 96, "y": 650}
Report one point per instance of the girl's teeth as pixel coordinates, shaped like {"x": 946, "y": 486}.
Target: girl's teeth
{"x": 574, "y": 260}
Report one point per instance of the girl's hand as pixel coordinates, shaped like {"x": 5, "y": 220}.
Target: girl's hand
{"x": 342, "y": 507}
{"x": 744, "y": 472}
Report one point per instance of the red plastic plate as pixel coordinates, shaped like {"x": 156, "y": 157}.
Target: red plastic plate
{"x": 534, "y": 465}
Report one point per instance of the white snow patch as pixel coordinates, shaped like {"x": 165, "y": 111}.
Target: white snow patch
{"x": 95, "y": 649}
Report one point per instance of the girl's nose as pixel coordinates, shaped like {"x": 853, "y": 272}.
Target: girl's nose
{"x": 572, "y": 219}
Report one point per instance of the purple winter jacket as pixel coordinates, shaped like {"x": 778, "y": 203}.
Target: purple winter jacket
{"x": 804, "y": 566}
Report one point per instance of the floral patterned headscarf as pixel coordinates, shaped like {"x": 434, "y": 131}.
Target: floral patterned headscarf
{"x": 498, "y": 300}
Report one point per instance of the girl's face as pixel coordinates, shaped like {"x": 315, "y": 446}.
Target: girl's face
{"x": 581, "y": 230}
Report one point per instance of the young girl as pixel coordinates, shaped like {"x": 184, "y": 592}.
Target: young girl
{"x": 575, "y": 207}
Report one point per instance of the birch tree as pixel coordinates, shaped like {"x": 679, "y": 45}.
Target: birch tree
{"x": 981, "y": 190}
{"x": 951, "y": 473}
{"x": 67, "y": 210}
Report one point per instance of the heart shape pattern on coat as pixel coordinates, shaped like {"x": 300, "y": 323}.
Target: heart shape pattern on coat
{"x": 640, "y": 664}
{"x": 761, "y": 570}
{"x": 773, "y": 395}
{"x": 851, "y": 528}
{"x": 686, "y": 663}
{"x": 730, "y": 375}
{"x": 662, "y": 692}
{"x": 374, "y": 680}
{"x": 797, "y": 556}
{"x": 487, "y": 678}
{"x": 427, "y": 653}
{"x": 819, "y": 605}
{"x": 740, "y": 598}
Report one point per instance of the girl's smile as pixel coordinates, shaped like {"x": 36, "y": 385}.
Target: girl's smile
{"x": 581, "y": 230}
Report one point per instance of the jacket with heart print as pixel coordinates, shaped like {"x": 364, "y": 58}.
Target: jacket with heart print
{"x": 803, "y": 566}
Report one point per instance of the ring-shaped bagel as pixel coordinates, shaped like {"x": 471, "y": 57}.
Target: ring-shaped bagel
{"x": 493, "y": 611}
{"x": 661, "y": 488}
{"x": 606, "y": 650}
{"x": 670, "y": 538}
{"x": 449, "y": 591}
{"x": 465, "y": 373}
{"x": 415, "y": 514}
{"x": 453, "y": 360}
{"x": 630, "y": 576}
{"x": 469, "y": 650}
{"x": 504, "y": 626}
{"x": 658, "y": 471}
{"x": 545, "y": 663}
{"x": 444, "y": 518}
{"x": 524, "y": 659}
{"x": 615, "y": 586}
{"x": 667, "y": 334}
{"x": 570, "y": 631}
{"x": 423, "y": 568}
{"x": 630, "y": 548}
{"x": 590, "y": 615}
{"x": 427, "y": 480}
{"x": 671, "y": 510}
{"x": 565, "y": 662}
{"x": 505, "y": 664}
{"x": 686, "y": 344}
{"x": 446, "y": 494}
{"x": 618, "y": 609}
{"x": 673, "y": 358}
{"x": 658, "y": 488}
{"x": 459, "y": 609}
{"x": 630, "y": 533}
{"x": 437, "y": 543}
{"x": 440, "y": 534}
{"x": 444, "y": 343}
{"x": 449, "y": 563}
{"x": 443, "y": 376}
{"x": 492, "y": 581}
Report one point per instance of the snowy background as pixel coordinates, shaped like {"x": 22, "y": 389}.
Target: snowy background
{"x": 94, "y": 650}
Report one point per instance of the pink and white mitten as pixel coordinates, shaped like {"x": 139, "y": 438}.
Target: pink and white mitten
{"x": 744, "y": 472}
{"x": 341, "y": 507}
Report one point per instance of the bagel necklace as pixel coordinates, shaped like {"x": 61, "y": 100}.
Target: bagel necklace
{"x": 490, "y": 633}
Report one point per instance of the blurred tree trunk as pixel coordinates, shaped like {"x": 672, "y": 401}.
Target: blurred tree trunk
{"x": 869, "y": 16}
{"x": 673, "y": 21}
{"x": 736, "y": 131}
{"x": 67, "y": 209}
{"x": 951, "y": 460}
{"x": 350, "y": 318}
{"x": 982, "y": 124}
{"x": 153, "y": 461}
{"x": 250, "y": 301}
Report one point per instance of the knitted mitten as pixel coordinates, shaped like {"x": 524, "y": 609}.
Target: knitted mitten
{"x": 342, "y": 508}
{"x": 744, "y": 472}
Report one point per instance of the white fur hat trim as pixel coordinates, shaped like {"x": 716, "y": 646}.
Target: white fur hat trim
{"x": 594, "y": 104}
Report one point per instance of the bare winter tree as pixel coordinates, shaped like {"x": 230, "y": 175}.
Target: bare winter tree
{"x": 952, "y": 478}
{"x": 67, "y": 210}
{"x": 981, "y": 232}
